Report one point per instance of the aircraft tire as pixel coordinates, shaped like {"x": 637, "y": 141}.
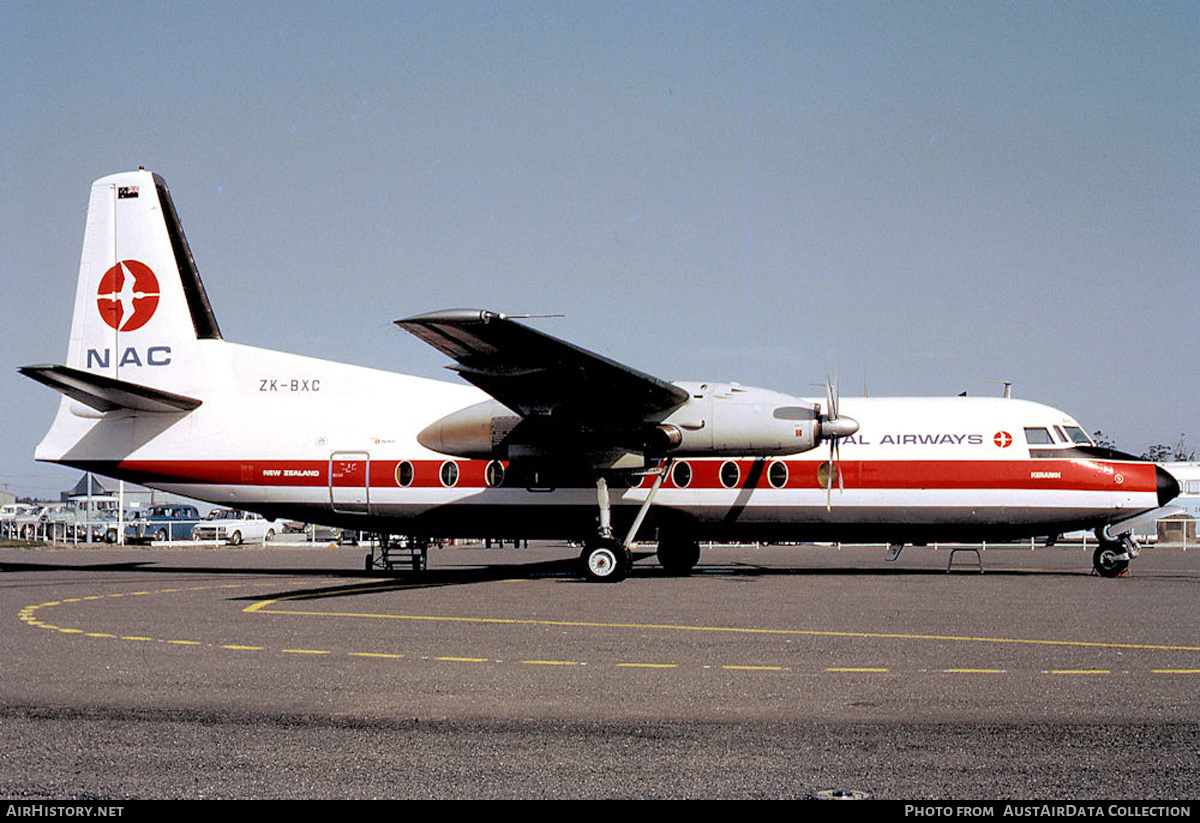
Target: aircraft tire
{"x": 368, "y": 564}
{"x": 605, "y": 561}
{"x": 678, "y": 557}
{"x": 1106, "y": 559}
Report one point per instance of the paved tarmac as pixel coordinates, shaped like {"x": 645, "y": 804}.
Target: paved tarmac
{"x": 772, "y": 672}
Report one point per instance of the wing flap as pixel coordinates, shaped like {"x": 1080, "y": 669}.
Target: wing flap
{"x": 107, "y": 394}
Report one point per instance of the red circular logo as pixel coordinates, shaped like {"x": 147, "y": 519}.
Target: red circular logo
{"x": 128, "y": 295}
{"x": 1002, "y": 439}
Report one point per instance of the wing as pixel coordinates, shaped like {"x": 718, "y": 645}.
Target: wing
{"x": 537, "y": 375}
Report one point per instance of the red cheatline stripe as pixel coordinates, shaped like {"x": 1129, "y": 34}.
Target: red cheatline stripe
{"x": 1067, "y": 475}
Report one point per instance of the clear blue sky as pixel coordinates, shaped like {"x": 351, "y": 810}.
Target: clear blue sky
{"x": 933, "y": 196}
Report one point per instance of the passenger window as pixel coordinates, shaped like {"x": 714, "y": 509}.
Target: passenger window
{"x": 404, "y": 473}
{"x": 777, "y": 474}
{"x": 730, "y": 474}
{"x": 494, "y": 474}
{"x": 681, "y": 475}
{"x": 1037, "y": 437}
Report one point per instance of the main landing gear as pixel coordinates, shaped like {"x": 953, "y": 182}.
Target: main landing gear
{"x": 605, "y": 560}
{"x": 678, "y": 555}
{"x": 1112, "y": 557}
{"x": 608, "y": 560}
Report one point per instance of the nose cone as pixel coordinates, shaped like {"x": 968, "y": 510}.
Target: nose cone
{"x": 840, "y": 426}
{"x": 1168, "y": 486}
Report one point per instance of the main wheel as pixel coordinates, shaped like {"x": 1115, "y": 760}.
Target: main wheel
{"x": 605, "y": 561}
{"x": 1108, "y": 561}
{"x": 678, "y": 556}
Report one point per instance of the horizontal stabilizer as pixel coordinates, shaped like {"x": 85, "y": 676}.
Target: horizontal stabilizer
{"x": 107, "y": 394}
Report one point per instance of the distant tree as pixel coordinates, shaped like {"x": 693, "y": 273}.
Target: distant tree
{"x": 1179, "y": 452}
{"x": 1103, "y": 440}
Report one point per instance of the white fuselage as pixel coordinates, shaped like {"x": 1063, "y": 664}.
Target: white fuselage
{"x": 326, "y": 442}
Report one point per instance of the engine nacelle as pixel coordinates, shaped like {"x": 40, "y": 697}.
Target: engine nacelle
{"x": 734, "y": 420}
{"x": 475, "y": 432}
{"x": 717, "y": 420}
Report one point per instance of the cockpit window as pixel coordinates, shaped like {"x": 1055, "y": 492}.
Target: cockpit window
{"x": 1037, "y": 437}
{"x": 1078, "y": 435}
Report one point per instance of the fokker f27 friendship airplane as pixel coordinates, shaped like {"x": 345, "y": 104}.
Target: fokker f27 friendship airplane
{"x": 549, "y": 440}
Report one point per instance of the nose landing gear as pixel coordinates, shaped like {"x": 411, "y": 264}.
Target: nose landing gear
{"x": 1112, "y": 557}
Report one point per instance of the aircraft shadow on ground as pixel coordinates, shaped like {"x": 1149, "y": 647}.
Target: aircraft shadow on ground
{"x": 377, "y": 581}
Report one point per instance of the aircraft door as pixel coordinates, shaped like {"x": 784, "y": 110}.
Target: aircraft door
{"x": 349, "y": 482}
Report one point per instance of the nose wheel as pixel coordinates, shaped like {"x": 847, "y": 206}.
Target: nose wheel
{"x": 1111, "y": 557}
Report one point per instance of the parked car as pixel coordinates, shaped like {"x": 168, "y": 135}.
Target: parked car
{"x": 104, "y": 526}
{"x": 169, "y": 522}
{"x": 233, "y": 526}
{"x": 9, "y": 514}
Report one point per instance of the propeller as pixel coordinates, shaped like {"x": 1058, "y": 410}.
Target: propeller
{"x": 834, "y": 427}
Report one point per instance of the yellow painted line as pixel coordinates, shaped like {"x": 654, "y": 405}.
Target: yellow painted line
{"x": 375, "y": 654}
{"x": 647, "y": 665}
{"x": 1080, "y": 671}
{"x": 244, "y": 648}
{"x": 854, "y": 669}
{"x": 551, "y": 662}
{"x": 973, "y": 671}
{"x": 754, "y": 668}
{"x": 463, "y": 659}
{"x": 1175, "y": 671}
{"x": 264, "y": 607}
{"x": 26, "y": 613}
{"x": 305, "y": 651}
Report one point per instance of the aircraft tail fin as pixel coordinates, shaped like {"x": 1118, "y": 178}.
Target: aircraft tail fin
{"x": 140, "y": 307}
{"x": 144, "y": 339}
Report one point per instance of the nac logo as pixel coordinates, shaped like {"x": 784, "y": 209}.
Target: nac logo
{"x": 1003, "y": 439}
{"x": 128, "y": 295}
